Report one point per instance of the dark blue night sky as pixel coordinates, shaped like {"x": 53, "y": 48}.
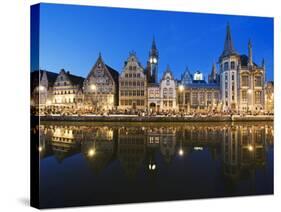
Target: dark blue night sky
{"x": 71, "y": 37}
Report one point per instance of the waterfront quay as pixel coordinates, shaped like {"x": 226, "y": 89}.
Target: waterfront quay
{"x": 138, "y": 118}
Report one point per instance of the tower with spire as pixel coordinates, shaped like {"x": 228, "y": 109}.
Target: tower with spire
{"x": 152, "y": 64}
{"x": 229, "y": 61}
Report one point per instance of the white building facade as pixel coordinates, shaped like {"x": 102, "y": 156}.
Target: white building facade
{"x": 242, "y": 82}
{"x": 168, "y": 97}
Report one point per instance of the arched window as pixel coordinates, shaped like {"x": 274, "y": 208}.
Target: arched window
{"x": 225, "y": 66}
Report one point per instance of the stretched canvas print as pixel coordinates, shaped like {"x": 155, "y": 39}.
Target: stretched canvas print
{"x": 132, "y": 105}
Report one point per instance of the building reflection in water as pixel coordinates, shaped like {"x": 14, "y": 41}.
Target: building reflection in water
{"x": 99, "y": 146}
{"x": 241, "y": 148}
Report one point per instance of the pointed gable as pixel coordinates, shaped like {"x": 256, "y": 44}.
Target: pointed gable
{"x": 186, "y": 77}
{"x": 102, "y": 73}
{"x": 168, "y": 74}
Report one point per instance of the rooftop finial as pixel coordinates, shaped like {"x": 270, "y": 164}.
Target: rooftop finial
{"x": 153, "y": 51}
{"x": 250, "y": 53}
{"x": 153, "y": 42}
{"x": 99, "y": 54}
{"x": 263, "y": 63}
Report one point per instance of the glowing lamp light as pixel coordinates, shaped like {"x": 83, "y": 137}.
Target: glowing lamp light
{"x": 181, "y": 152}
{"x": 40, "y": 149}
{"x": 41, "y": 88}
{"x": 250, "y": 148}
{"x": 93, "y": 87}
{"x": 152, "y": 166}
{"x": 91, "y": 152}
{"x": 181, "y": 88}
{"x": 249, "y": 91}
{"x": 198, "y": 148}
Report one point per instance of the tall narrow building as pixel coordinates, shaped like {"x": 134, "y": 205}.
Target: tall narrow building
{"x": 132, "y": 85}
{"x": 168, "y": 95}
{"x": 229, "y": 61}
{"x": 242, "y": 81}
{"x": 152, "y": 64}
{"x": 251, "y": 86}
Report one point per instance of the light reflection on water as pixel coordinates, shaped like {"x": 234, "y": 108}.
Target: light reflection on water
{"x": 100, "y": 163}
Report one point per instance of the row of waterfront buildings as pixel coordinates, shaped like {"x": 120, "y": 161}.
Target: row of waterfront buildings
{"x": 238, "y": 86}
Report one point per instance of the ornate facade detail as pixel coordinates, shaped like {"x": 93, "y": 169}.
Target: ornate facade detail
{"x": 168, "y": 92}
{"x": 132, "y": 85}
{"x": 42, "y": 88}
{"x": 67, "y": 90}
{"x": 153, "y": 98}
{"x": 101, "y": 87}
{"x": 242, "y": 81}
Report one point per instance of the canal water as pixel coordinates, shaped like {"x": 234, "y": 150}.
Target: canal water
{"x": 105, "y": 163}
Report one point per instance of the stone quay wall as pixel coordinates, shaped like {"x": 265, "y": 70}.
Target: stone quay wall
{"x": 156, "y": 118}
